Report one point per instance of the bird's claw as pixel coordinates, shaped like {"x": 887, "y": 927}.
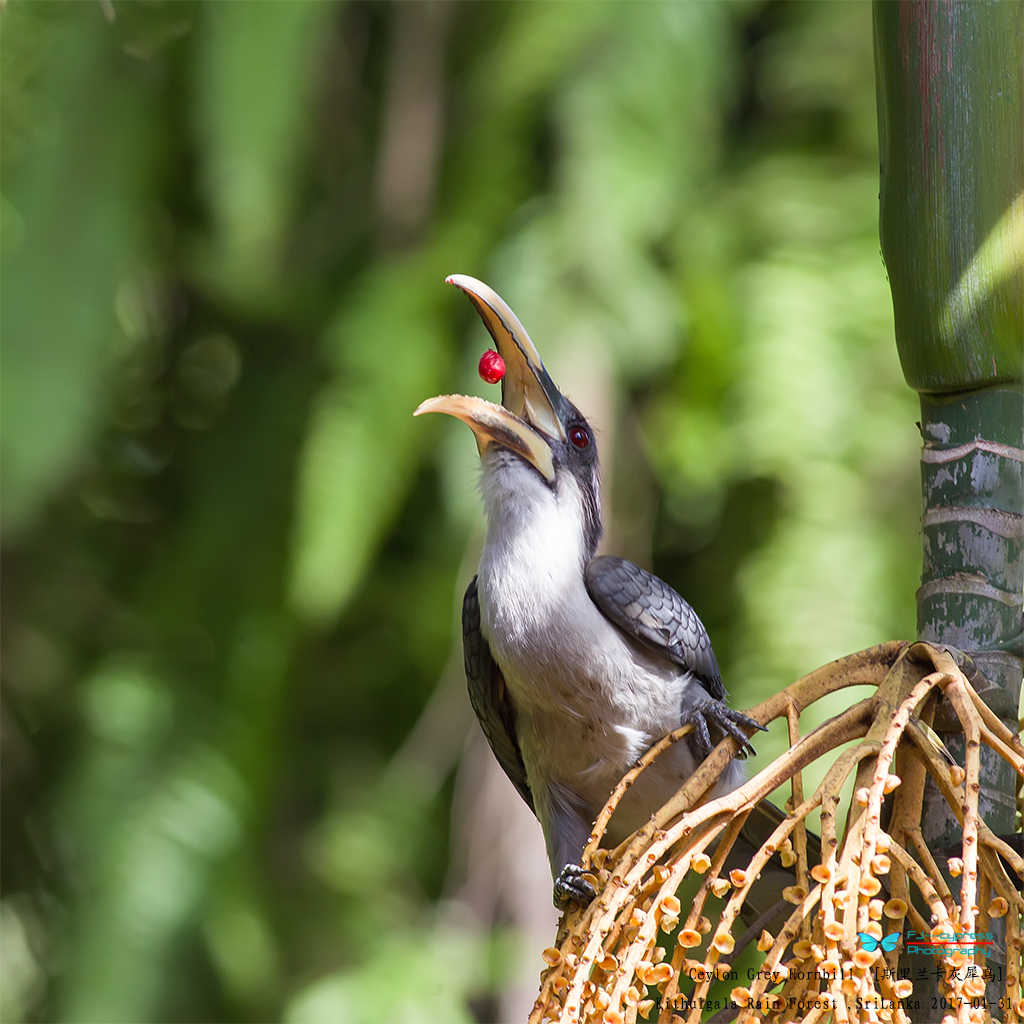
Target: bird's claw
{"x": 573, "y": 886}
{"x": 722, "y": 717}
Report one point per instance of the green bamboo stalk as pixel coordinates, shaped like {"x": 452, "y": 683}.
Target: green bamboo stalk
{"x": 950, "y": 80}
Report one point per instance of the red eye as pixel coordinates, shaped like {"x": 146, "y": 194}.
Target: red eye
{"x": 579, "y": 437}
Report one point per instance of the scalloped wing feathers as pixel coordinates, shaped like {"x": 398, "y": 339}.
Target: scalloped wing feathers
{"x": 650, "y": 611}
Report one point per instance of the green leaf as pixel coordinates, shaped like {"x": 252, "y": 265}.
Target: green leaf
{"x": 390, "y": 348}
{"x": 257, "y": 64}
{"x": 77, "y": 163}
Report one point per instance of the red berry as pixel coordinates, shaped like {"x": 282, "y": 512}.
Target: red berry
{"x": 492, "y": 367}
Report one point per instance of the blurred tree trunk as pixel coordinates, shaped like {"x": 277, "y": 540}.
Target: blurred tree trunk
{"x": 950, "y": 80}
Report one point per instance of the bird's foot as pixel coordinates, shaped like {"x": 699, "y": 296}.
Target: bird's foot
{"x": 573, "y": 885}
{"x": 703, "y": 713}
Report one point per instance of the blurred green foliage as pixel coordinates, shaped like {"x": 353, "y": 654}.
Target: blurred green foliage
{"x": 233, "y": 560}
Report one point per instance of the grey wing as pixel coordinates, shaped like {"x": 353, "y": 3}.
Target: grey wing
{"x": 490, "y": 698}
{"x": 648, "y": 609}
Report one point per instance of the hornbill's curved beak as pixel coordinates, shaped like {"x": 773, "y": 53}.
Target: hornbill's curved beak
{"x": 533, "y": 411}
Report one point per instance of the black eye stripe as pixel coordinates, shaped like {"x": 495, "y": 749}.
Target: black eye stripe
{"x": 579, "y": 437}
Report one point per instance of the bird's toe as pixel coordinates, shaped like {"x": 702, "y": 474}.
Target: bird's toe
{"x": 573, "y": 886}
{"x": 701, "y": 738}
{"x": 725, "y": 720}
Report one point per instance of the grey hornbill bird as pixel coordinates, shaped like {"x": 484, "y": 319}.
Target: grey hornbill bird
{"x": 576, "y": 664}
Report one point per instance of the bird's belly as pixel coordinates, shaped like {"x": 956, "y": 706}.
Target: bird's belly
{"x": 585, "y": 763}
{"x": 584, "y": 720}
{"x": 585, "y": 714}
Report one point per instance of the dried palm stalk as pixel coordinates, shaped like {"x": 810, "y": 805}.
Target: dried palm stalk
{"x": 607, "y": 964}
